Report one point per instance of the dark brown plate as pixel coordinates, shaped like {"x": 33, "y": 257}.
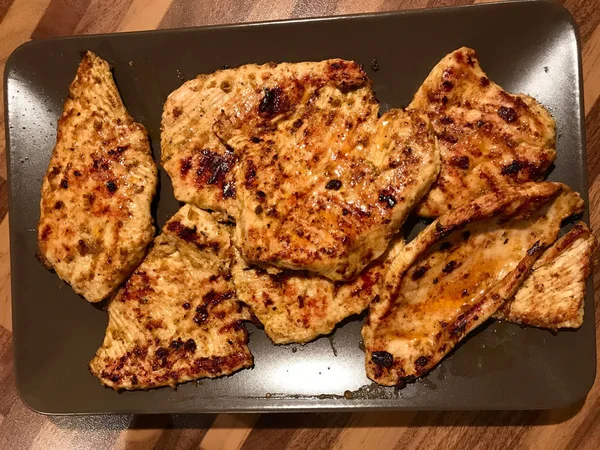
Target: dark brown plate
{"x": 529, "y": 47}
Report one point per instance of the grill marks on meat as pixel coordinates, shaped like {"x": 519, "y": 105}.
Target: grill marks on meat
{"x": 95, "y": 220}
{"x": 298, "y": 306}
{"x": 291, "y": 129}
{"x": 420, "y": 318}
{"x": 176, "y": 319}
{"x": 553, "y": 294}
{"x": 305, "y": 226}
{"x": 489, "y": 138}
{"x": 317, "y": 185}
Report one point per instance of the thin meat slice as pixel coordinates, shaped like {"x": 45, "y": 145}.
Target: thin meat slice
{"x": 455, "y": 274}
{"x": 489, "y": 139}
{"x": 553, "y": 295}
{"x": 95, "y": 220}
{"x": 296, "y": 155}
{"x": 177, "y": 318}
{"x": 298, "y": 306}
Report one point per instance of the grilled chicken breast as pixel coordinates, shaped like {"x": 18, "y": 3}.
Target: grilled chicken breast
{"x": 95, "y": 220}
{"x": 553, "y": 295}
{"x": 298, "y": 306}
{"x": 455, "y": 274}
{"x": 177, "y": 318}
{"x": 296, "y": 155}
{"x": 489, "y": 139}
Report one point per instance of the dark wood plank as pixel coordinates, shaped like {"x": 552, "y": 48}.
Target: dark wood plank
{"x": 4, "y": 6}
{"x": 296, "y": 431}
{"x": 60, "y": 18}
{"x": 188, "y": 13}
{"x": 592, "y": 125}
{"x": 313, "y": 8}
{"x": 441, "y": 3}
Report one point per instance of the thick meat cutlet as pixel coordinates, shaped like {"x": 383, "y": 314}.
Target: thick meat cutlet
{"x": 489, "y": 139}
{"x": 296, "y": 155}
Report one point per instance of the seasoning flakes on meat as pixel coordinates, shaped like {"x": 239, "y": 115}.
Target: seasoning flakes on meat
{"x": 296, "y": 155}
{"x": 296, "y": 306}
{"x": 489, "y": 139}
{"x": 553, "y": 295}
{"x": 456, "y": 274}
{"x": 95, "y": 220}
{"x": 177, "y": 318}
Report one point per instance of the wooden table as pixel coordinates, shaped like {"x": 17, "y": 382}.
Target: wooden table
{"x": 576, "y": 427}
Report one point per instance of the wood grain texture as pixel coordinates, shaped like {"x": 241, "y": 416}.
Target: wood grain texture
{"x": 591, "y": 74}
{"x": 577, "y": 427}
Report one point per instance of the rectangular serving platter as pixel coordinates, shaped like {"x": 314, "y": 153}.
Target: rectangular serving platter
{"x": 529, "y": 47}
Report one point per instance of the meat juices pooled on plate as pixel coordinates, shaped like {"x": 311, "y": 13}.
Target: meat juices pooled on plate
{"x": 456, "y": 274}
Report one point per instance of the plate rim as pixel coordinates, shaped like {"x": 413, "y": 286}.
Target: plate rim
{"x": 289, "y": 404}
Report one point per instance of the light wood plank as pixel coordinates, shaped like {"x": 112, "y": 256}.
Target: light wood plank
{"x": 229, "y": 431}
{"x": 352, "y": 7}
{"x": 18, "y": 24}
{"x": 5, "y": 298}
{"x": 373, "y": 430}
{"x": 138, "y": 439}
{"x": 144, "y": 15}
